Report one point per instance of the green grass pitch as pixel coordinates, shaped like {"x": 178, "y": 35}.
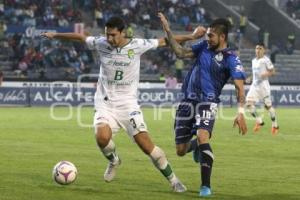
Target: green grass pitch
{"x": 255, "y": 166}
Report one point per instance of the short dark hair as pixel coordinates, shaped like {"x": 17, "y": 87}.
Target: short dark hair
{"x": 116, "y": 22}
{"x": 261, "y": 44}
{"x": 1, "y": 74}
{"x": 221, "y": 25}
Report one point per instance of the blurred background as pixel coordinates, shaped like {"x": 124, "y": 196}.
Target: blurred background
{"x": 24, "y": 56}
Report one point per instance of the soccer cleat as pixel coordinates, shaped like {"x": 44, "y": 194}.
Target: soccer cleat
{"x": 275, "y": 130}
{"x": 177, "y": 186}
{"x": 111, "y": 170}
{"x": 258, "y": 126}
{"x": 205, "y": 191}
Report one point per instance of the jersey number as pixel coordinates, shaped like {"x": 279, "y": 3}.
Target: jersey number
{"x": 133, "y": 123}
{"x": 119, "y": 75}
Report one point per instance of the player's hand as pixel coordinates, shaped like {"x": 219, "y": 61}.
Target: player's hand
{"x": 241, "y": 123}
{"x": 199, "y": 32}
{"x": 248, "y": 80}
{"x": 164, "y": 22}
{"x": 49, "y": 35}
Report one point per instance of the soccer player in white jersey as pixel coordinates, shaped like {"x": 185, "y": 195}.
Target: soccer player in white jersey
{"x": 116, "y": 100}
{"x": 262, "y": 69}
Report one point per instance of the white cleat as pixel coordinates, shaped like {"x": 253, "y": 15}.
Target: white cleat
{"x": 111, "y": 170}
{"x": 177, "y": 186}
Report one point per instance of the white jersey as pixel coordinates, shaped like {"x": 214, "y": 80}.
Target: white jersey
{"x": 260, "y": 87}
{"x": 259, "y": 67}
{"x": 119, "y": 69}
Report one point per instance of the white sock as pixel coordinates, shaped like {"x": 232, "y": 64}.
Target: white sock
{"x": 110, "y": 152}
{"x": 253, "y": 112}
{"x": 273, "y": 117}
{"x": 160, "y": 161}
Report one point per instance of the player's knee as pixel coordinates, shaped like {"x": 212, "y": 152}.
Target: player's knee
{"x": 203, "y": 136}
{"x": 103, "y": 134}
{"x": 180, "y": 152}
{"x": 144, "y": 142}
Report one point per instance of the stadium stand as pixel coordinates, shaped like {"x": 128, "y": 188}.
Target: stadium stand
{"x": 292, "y": 8}
{"x": 24, "y": 57}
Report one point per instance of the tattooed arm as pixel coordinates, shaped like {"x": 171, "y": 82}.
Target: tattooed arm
{"x": 240, "y": 92}
{"x": 198, "y": 33}
{"x": 180, "y": 51}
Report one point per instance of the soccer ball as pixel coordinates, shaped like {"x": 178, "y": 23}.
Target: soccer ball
{"x": 64, "y": 173}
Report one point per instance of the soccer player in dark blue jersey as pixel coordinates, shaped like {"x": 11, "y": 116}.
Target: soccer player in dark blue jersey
{"x": 215, "y": 63}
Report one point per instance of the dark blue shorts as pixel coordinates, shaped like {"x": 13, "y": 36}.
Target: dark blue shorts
{"x": 193, "y": 115}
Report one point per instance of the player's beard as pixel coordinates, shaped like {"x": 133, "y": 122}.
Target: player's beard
{"x": 214, "y": 47}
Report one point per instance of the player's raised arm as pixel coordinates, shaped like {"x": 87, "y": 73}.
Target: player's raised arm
{"x": 240, "y": 118}
{"x": 180, "y": 51}
{"x": 198, "y": 33}
{"x": 65, "y": 36}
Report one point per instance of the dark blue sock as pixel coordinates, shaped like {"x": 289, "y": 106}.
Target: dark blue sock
{"x": 206, "y": 163}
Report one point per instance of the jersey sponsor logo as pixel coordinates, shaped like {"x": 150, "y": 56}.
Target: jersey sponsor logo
{"x": 135, "y": 113}
{"x": 219, "y": 57}
{"x": 130, "y": 53}
{"x": 119, "y": 83}
{"x": 118, "y": 63}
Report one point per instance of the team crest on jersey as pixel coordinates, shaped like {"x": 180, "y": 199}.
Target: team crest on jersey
{"x": 130, "y": 53}
{"x": 219, "y": 57}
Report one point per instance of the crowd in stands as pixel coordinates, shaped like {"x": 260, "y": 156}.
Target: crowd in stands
{"x": 183, "y": 12}
{"x": 34, "y": 55}
{"x": 293, "y": 9}
{"x": 39, "y": 55}
{"x": 59, "y": 13}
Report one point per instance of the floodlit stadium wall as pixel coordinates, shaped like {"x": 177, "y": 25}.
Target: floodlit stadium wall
{"x": 65, "y": 93}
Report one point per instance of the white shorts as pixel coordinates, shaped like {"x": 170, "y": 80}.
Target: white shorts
{"x": 130, "y": 119}
{"x": 259, "y": 93}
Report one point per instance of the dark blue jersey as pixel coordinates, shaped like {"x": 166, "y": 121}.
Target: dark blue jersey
{"x": 210, "y": 72}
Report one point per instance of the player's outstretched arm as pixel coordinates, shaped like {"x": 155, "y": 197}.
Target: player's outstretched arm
{"x": 240, "y": 118}
{"x": 65, "y": 36}
{"x": 180, "y": 51}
